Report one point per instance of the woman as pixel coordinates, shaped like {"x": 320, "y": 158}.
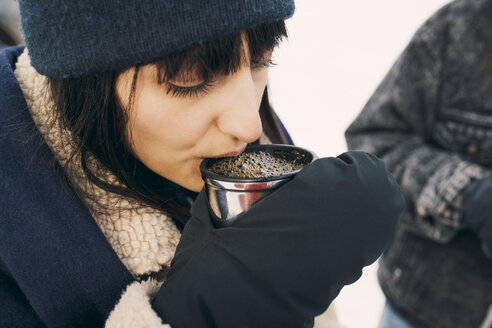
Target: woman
{"x": 430, "y": 120}
{"x": 106, "y": 116}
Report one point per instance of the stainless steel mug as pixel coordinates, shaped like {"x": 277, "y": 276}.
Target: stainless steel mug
{"x": 229, "y": 197}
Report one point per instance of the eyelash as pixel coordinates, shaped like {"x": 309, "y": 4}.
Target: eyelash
{"x": 263, "y": 63}
{"x": 204, "y": 87}
{"x": 191, "y": 92}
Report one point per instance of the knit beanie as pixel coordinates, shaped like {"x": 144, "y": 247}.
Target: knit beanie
{"x": 71, "y": 38}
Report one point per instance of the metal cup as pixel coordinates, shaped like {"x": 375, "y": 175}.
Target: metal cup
{"x": 229, "y": 197}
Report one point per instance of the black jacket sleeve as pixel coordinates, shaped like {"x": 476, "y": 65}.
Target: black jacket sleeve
{"x": 282, "y": 262}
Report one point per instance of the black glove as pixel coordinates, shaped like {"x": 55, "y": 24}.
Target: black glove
{"x": 477, "y": 211}
{"x": 283, "y": 261}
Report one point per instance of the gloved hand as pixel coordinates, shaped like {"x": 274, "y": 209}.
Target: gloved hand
{"x": 283, "y": 261}
{"x": 477, "y": 211}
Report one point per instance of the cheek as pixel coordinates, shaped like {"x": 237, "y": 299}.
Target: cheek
{"x": 159, "y": 121}
{"x": 152, "y": 122}
{"x": 260, "y": 79}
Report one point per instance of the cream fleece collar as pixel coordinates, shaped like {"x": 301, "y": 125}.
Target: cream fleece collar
{"x": 143, "y": 238}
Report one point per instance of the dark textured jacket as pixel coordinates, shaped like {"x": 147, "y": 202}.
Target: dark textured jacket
{"x": 431, "y": 121}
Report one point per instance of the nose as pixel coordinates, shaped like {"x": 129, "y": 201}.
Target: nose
{"x": 239, "y": 116}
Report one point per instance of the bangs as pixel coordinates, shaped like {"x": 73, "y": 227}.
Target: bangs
{"x": 224, "y": 55}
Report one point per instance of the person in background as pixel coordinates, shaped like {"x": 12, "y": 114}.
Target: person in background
{"x": 106, "y": 115}
{"x": 430, "y": 120}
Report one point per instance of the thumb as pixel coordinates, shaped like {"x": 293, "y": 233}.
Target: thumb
{"x": 199, "y": 209}
{"x": 200, "y": 222}
{"x": 194, "y": 234}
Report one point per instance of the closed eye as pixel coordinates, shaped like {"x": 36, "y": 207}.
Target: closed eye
{"x": 191, "y": 91}
{"x": 259, "y": 63}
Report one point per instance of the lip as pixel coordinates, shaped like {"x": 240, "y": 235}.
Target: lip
{"x": 231, "y": 154}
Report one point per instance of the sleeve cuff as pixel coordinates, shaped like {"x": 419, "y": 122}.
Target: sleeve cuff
{"x": 439, "y": 206}
{"x": 134, "y": 310}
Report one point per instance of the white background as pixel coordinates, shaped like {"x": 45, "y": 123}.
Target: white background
{"x": 336, "y": 55}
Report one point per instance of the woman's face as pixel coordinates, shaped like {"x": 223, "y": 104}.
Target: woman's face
{"x": 175, "y": 125}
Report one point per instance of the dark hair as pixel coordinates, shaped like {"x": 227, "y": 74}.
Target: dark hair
{"x": 90, "y": 108}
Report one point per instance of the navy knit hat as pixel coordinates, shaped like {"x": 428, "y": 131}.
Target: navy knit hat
{"x": 70, "y": 38}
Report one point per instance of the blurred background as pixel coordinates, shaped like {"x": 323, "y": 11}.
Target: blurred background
{"x": 9, "y": 23}
{"x": 337, "y": 54}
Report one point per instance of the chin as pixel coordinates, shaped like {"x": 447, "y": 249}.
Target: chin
{"x": 195, "y": 185}
{"x": 198, "y": 188}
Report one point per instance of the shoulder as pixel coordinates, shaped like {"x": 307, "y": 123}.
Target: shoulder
{"x": 12, "y": 100}
{"x": 461, "y": 28}
{"x": 8, "y": 56}
{"x": 454, "y": 19}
